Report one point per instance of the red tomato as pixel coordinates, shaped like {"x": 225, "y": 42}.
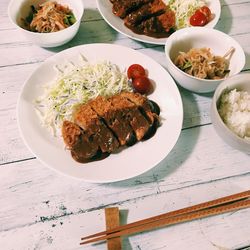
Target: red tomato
{"x": 141, "y": 84}
{"x": 135, "y": 70}
{"x": 198, "y": 19}
{"x": 206, "y": 11}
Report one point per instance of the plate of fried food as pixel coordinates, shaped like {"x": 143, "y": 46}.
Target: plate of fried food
{"x": 100, "y": 117}
{"x": 152, "y": 21}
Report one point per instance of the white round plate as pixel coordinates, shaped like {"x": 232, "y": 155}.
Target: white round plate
{"x": 131, "y": 161}
{"x": 105, "y": 8}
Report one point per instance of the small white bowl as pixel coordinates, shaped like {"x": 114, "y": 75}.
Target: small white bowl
{"x": 201, "y": 37}
{"x": 18, "y": 9}
{"x": 242, "y": 83}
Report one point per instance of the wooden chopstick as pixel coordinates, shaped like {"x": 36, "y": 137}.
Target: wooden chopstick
{"x": 175, "y": 220}
{"x": 205, "y": 209}
{"x": 204, "y": 205}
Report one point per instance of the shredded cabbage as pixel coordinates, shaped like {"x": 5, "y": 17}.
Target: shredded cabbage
{"x": 74, "y": 85}
{"x": 184, "y": 9}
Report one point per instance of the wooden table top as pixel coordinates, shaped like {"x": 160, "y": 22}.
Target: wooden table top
{"x": 42, "y": 209}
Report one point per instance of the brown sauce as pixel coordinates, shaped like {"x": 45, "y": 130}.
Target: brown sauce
{"x": 150, "y": 34}
{"x": 97, "y": 157}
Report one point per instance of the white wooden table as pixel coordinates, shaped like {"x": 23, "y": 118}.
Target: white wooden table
{"x": 41, "y": 209}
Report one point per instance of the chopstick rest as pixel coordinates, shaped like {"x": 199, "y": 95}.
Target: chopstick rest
{"x": 112, "y": 221}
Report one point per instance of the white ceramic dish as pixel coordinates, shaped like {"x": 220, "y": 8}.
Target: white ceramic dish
{"x": 20, "y": 9}
{"x": 131, "y": 161}
{"x": 242, "y": 83}
{"x": 201, "y": 37}
{"x": 105, "y": 8}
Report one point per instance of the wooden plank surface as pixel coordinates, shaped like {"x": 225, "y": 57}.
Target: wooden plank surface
{"x": 42, "y": 209}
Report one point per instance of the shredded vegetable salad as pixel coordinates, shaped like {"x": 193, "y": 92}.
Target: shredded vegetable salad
{"x": 49, "y": 17}
{"x": 184, "y": 9}
{"x": 202, "y": 63}
{"x": 74, "y": 85}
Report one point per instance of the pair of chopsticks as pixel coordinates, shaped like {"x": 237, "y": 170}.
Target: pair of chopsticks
{"x": 202, "y": 210}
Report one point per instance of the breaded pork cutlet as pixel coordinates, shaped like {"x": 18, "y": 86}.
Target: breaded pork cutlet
{"x": 145, "y": 105}
{"x": 157, "y": 26}
{"x": 155, "y": 8}
{"x": 78, "y": 142}
{"x": 131, "y": 113}
{"x": 122, "y": 8}
{"x": 71, "y": 134}
{"x": 102, "y": 125}
{"x": 95, "y": 128}
{"x": 113, "y": 118}
{"x": 149, "y": 109}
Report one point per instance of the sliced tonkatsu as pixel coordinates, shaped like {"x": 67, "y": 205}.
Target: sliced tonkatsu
{"x": 113, "y": 117}
{"x": 131, "y": 113}
{"x": 78, "y": 142}
{"x": 146, "y": 11}
{"x": 86, "y": 118}
{"x": 156, "y": 26}
{"x": 103, "y": 125}
{"x": 148, "y": 108}
{"x": 122, "y": 8}
{"x": 146, "y": 17}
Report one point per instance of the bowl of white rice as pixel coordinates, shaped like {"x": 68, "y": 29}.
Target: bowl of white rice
{"x": 230, "y": 111}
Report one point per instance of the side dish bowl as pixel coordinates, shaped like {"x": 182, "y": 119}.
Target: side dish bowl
{"x": 200, "y": 37}
{"x": 240, "y": 82}
{"x": 19, "y": 10}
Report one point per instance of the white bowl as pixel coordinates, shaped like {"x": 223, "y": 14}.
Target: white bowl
{"x": 18, "y": 9}
{"x": 240, "y": 82}
{"x": 200, "y": 37}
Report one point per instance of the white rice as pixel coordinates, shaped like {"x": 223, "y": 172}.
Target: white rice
{"x": 234, "y": 109}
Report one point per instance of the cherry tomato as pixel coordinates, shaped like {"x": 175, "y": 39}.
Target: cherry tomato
{"x": 141, "y": 84}
{"x": 135, "y": 70}
{"x": 206, "y": 11}
{"x": 198, "y": 19}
